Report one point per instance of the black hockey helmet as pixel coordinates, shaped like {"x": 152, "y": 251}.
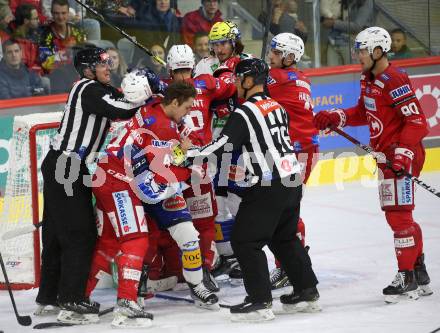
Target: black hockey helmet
{"x": 89, "y": 58}
{"x": 253, "y": 67}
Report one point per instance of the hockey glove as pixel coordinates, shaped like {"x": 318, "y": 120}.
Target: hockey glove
{"x": 156, "y": 84}
{"x": 329, "y": 119}
{"x": 402, "y": 160}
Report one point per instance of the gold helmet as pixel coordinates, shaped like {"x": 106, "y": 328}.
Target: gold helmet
{"x": 223, "y": 31}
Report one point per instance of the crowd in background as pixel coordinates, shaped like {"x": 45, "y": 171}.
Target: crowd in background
{"x": 39, "y": 38}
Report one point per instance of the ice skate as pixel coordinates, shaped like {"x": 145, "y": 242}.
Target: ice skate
{"x": 279, "y": 279}
{"x": 223, "y": 265}
{"x": 252, "y": 311}
{"x": 203, "y": 297}
{"x": 79, "y": 313}
{"x": 209, "y": 281}
{"x": 128, "y": 314}
{"x": 422, "y": 277}
{"x": 301, "y": 301}
{"x": 403, "y": 286}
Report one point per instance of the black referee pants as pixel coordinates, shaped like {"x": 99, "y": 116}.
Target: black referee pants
{"x": 268, "y": 215}
{"x": 69, "y": 232}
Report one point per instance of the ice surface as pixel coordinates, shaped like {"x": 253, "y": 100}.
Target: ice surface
{"x": 353, "y": 256}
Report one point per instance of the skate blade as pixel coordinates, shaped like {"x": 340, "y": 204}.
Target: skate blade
{"x": 425, "y": 290}
{"x": 70, "y": 317}
{"x": 253, "y": 317}
{"x": 122, "y": 321}
{"x": 304, "y": 307}
{"x": 207, "y": 306}
{"x": 46, "y": 310}
{"x": 410, "y": 295}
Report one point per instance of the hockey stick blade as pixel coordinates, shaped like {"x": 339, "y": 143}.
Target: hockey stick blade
{"x": 370, "y": 150}
{"x": 21, "y": 231}
{"x": 53, "y": 324}
{"x": 184, "y": 299}
{"x": 22, "y": 320}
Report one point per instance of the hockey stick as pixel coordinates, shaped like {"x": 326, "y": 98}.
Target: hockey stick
{"x": 184, "y": 299}
{"x": 266, "y": 28}
{"x": 370, "y": 150}
{"x": 122, "y": 32}
{"x": 21, "y": 231}
{"x": 22, "y": 320}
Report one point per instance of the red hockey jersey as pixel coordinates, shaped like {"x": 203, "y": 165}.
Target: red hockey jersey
{"x": 145, "y": 142}
{"x": 200, "y": 117}
{"x": 291, "y": 88}
{"x": 389, "y": 106}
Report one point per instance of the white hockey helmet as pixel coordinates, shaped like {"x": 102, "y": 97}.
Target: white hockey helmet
{"x": 136, "y": 87}
{"x": 288, "y": 43}
{"x": 371, "y": 38}
{"x": 180, "y": 56}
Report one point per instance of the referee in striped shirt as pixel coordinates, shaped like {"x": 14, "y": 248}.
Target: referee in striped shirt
{"x": 269, "y": 211}
{"x": 69, "y": 229}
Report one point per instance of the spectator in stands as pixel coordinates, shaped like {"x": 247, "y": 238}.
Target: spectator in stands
{"x": 161, "y": 21}
{"x": 5, "y": 18}
{"x": 16, "y": 80}
{"x": 36, "y": 3}
{"x": 200, "y": 20}
{"x": 399, "y": 49}
{"x": 147, "y": 61}
{"x": 118, "y": 67}
{"x": 57, "y": 37}
{"x": 201, "y": 45}
{"x": 26, "y": 33}
{"x": 285, "y": 19}
{"x": 77, "y": 16}
{"x": 330, "y": 9}
{"x": 356, "y": 15}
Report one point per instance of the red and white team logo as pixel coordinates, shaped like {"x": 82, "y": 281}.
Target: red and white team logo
{"x": 376, "y": 126}
{"x": 174, "y": 204}
{"x": 286, "y": 165}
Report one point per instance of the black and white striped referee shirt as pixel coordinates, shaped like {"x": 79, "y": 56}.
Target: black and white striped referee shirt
{"x": 86, "y": 119}
{"x": 259, "y": 128}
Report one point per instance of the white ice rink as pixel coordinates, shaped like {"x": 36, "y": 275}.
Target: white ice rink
{"x": 353, "y": 256}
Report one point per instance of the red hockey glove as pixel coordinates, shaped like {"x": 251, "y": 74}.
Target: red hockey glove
{"x": 328, "y": 119}
{"x": 402, "y": 160}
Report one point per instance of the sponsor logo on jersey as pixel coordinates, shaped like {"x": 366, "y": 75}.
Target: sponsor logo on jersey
{"x": 271, "y": 80}
{"x": 385, "y": 77}
{"x": 405, "y": 191}
{"x": 376, "y": 126}
{"x": 200, "y": 206}
{"x": 401, "y": 91}
{"x": 379, "y": 83}
{"x": 404, "y": 242}
{"x": 139, "y": 119}
{"x": 174, "y": 204}
{"x": 292, "y": 76}
{"x": 200, "y": 84}
{"x": 267, "y": 105}
{"x": 386, "y": 192}
{"x": 125, "y": 212}
{"x": 149, "y": 120}
{"x": 161, "y": 143}
{"x": 304, "y": 84}
{"x": 370, "y": 103}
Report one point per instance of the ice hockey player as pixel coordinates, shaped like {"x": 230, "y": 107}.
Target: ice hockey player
{"x": 146, "y": 158}
{"x": 197, "y": 124}
{"x": 269, "y": 211}
{"x": 291, "y": 88}
{"x": 397, "y": 125}
{"x": 226, "y": 52}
